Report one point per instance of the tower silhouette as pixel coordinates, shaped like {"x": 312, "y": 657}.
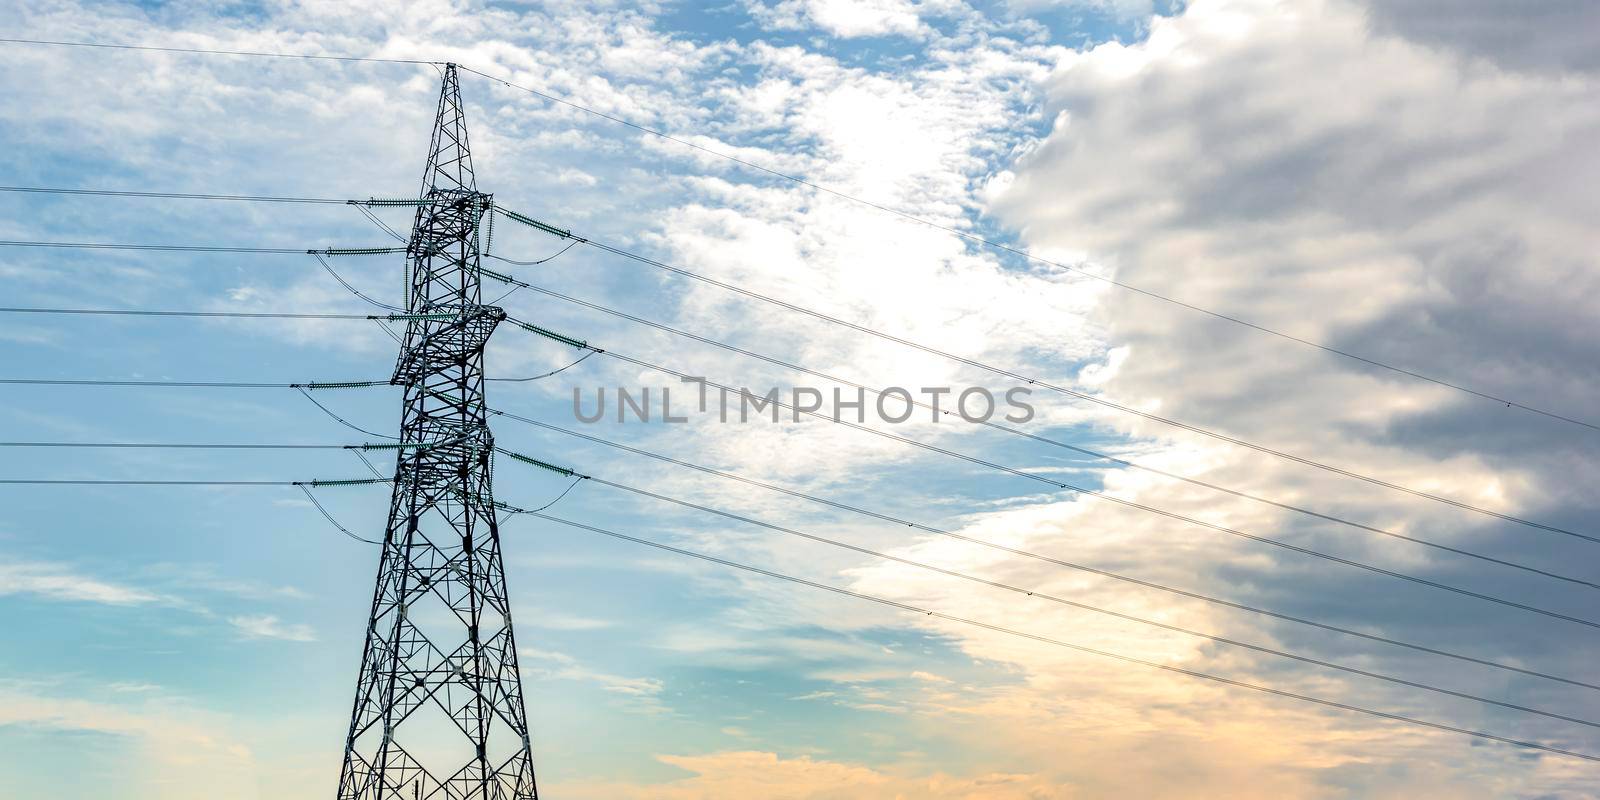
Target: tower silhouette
{"x": 438, "y": 710}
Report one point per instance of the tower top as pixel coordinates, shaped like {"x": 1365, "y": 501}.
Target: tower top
{"x": 449, "y": 155}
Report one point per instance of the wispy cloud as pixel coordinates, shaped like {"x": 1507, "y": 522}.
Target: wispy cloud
{"x": 641, "y": 694}
{"x": 267, "y": 626}
{"x": 60, "y": 582}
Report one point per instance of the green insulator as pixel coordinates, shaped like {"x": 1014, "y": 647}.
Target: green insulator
{"x": 533, "y": 223}
{"x": 530, "y": 460}
{"x": 497, "y": 276}
{"x": 549, "y": 334}
{"x": 339, "y": 384}
{"x": 387, "y": 202}
{"x": 350, "y": 482}
{"x": 416, "y": 317}
{"x": 356, "y": 251}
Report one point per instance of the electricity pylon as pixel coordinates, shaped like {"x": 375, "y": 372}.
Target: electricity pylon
{"x": 438, "y": 709}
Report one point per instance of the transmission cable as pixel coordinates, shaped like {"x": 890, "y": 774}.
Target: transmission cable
{"x": 119, "y": 482}
{"x": 227, "y": 314}
{"x": 887, "y": 336}
{"x": 544, "y": 260}
{"x": 511, "y": 510}
{"x": 1131, "y": 503}
{"x": 1057, "y": 443}
{"x": 181, "y": 248}
{"x": 330, "y": 519}
{"x": 539, "y": 513}
{"x": 996, "y": 245}
{"x": 1061, "y": 643}
{"x": 1057, "y": 388}
{"x": 1034, "y": 555}
{"x": 932, "y": 448}
{"x": 180, "y": 384}
{"x": 514, "y": 289}
{"x": 391, "y": 334}
{"x": 915, "y": 443}
{"x": 178, "y": 445}
{"x": 957, "y": 232}
{"x": 1082, "y": 606}
{"x": 171, "y": 195}
{"x": 384, "y": 226}
{"x": 968, "y": 236}
{"x": 208, "y": 446}
{"x": 580, "y": 360}
{"x": 370, "y": 466}
{"x": 219, "y": 52}
{"x": 352, "y": 289}
{"x": 342, "y": 420}
{"x": 825, "y": 376}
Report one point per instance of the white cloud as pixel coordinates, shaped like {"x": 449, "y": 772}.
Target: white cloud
{"x": 641, "y": 695}
{"x": 59, "y": 582}
{"x": 185, "y": 752}
{"x": 847, "y": 18}
{"x": 268, "y": 626}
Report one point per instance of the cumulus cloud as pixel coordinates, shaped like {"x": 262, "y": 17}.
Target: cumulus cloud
{"x": 1548, "y": 36}
{"x": 845, "y": 18}
{"x": 1286, "y": 165}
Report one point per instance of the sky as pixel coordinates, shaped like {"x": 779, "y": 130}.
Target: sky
{"x": 1411, "y": 182}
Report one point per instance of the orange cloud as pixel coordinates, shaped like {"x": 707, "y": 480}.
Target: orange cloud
{"x": 743, "y": 775}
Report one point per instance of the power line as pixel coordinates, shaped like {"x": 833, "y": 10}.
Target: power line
{"x": 383, "y": 226}
{"x": 178, "y": 445}
{"x": 1037, "y": 556}
{"x": 875, "y": 391}
{"x": 1057, "y": 443}
{"x": 932, "y": 448}
{"x": 1084, "y": 606}
{"x": 191, "y": 384}
{"x": 306, "y": 485}
{"x": 1129, "y": 503}
{"x": 931, "y": 613}
{"x": 230, "y": 314}
{"x": 219, "y": 52}
{"x": 174, "y": 384}
{"x": 171, "y": 195}
{"x": 890, "y": 337}
{"x": 1076, "y": 394}
{"x": 1062, "y": 643}
{"x": 231, "y": 446}
{"x": 201, "y": 446}
{"x": 537, "y": 262}
{"x": 183, "y": 248}
{"x": 96, "y": 482}
{"x": 990, "y": 243}
{"x": 329, "y": 517}
{"x": 553, "y": 372}
{"x": 905, "y": 440}
{"x": 971, "y": 237}
{"x": 342, "y": 420}
{"x": 357, "y": 292}
{"x": 368, "y": 463}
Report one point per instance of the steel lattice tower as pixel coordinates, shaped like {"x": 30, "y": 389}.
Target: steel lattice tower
{"x": 438, "y": 709}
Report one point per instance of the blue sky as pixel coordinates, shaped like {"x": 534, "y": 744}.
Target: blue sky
{"x": 1344, "y": 172}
